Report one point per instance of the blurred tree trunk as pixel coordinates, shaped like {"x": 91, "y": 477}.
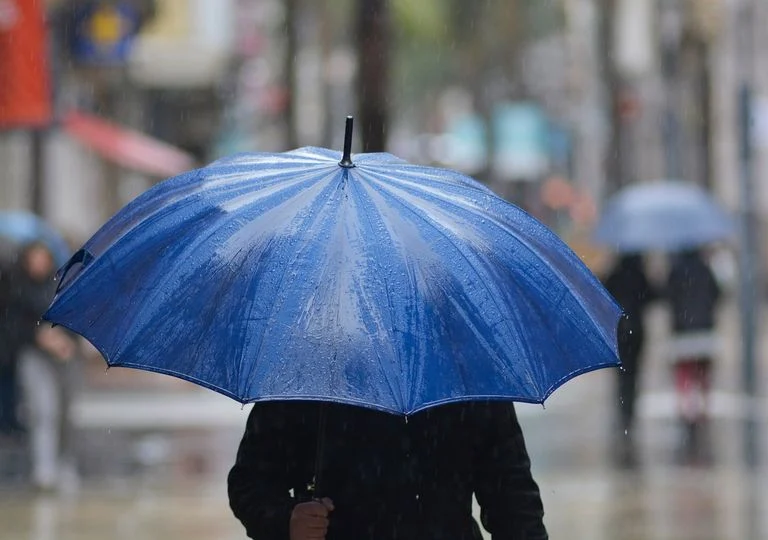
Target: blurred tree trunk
{"x": 289, "y": 72}
{"x": 326, "y": 49}
{"x": 373, "y": 34}
{"x": 614, "y": 177}
{"x": 696, "y": 55}
{"x": 38, "y": 138}
{"x": 706, "y": 106}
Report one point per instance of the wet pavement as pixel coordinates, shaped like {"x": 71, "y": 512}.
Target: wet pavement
{"x": 153, "y": 466}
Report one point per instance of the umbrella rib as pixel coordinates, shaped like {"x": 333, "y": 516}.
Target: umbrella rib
{"x": 484, "y": 283}
{"x": 492, "y": 354}
{"x": 190, "y": 247}
{"x": 312, "y": 218}
{"x": 358, "y": 187}
{"x": 158, "y": 286}
{"x": 220, "y": 293}
{"x": 180, "y": 195}
{"x": 510, "y": 232}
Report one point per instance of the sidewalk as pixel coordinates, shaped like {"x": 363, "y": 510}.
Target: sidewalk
{"x": 134, "y": 410}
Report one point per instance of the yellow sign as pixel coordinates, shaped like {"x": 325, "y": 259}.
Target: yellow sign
{"x": 106, "y": 26}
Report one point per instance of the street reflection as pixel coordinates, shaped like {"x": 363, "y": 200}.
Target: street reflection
{"x": 662, "y": 503}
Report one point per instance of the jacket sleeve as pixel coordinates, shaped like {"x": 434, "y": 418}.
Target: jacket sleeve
{"x": 509, "y": 498}
{"x": 260, "y": 481}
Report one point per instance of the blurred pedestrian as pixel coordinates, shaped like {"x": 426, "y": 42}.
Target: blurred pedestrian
{"x": 9, "y": 402}
{"x": 693, "y": 294}
{"x": 383, "y": 476}
{"x": 628, "y": 283}
{"x": 45, "y": 357}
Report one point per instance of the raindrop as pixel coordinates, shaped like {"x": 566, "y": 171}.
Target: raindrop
{"x": 626, "y": 432}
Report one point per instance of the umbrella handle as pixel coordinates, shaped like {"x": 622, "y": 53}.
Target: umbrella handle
{"x": 314, "y": 488}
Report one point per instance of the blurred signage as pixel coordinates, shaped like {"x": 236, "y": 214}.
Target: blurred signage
{"x": 104, "y": 32}
{"x": 634, "y": 37}
{"x": 187, "y": 44}
{"x": 464, "y": 144}
{"x": 521, "y": 140}
{"x": 130, "y": 149}
{"x": 25, "y": 95}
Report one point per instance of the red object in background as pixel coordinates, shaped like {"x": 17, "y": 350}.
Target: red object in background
{"x": 128, "y": 148}
{"x": 25, "y": 93}
{"x": 628, "y": 105}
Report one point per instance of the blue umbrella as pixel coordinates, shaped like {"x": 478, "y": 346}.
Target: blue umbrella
{"x": 375, "y": 283}
{"x": 23, "y": 227}
{"x": 662, "y": 215}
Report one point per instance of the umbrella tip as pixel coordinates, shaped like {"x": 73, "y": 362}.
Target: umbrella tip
{"x": 346, "y": 158}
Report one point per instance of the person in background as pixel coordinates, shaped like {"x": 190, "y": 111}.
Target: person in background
{"x": 380, "y": 476}
{"x": 9, "y": 401}
{"x": 45, "y": 358}
{"x": 693, "y": 294}
{"x": 630, "y": 287}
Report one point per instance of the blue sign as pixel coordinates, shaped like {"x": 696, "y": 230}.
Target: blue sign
{"x": 521, "y": 136}
{"x": 104, "y": 32}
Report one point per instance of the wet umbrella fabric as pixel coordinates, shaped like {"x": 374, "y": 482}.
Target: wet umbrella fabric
{"x": 21, "y": 227}
{"x": 662, "y": 215}
{"x": 384, "y": 284}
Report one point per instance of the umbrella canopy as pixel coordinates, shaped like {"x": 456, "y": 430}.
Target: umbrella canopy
{"x": 663, "y": 215}
{"x": 374, "y": 283}
{"x": 21, "y": 227}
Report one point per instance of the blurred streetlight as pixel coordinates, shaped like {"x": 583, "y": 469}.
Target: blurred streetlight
{"x": 750, "y": 247}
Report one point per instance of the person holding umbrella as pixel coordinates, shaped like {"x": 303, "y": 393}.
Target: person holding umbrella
{"x": 382, "y": 316}
{"x": 383, "y": 476}
{"x": 693, "y": 294}
{"x": 629, "y": 285}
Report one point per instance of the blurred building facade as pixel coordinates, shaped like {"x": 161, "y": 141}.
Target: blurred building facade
{"x": 627, "y": 90}
{"x": 154, "y": 66}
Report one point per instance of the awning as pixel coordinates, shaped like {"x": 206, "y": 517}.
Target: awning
{"x": 127, "y": 148}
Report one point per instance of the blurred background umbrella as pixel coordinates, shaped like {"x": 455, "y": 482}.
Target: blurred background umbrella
{"x": 662, "y": 215}
{"x": 376, "y": 283}
{"x": 19, "y": 227}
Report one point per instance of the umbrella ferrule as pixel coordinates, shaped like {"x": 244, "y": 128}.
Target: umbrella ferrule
{"x": 346, "y": 158}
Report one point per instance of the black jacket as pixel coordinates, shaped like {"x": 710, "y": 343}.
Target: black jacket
{"x": 693, "y": 293}
{"x": 8, "y": 341}
{"x": 389, "y": 479}
{"x": 28, "y": 300}
{"x": 631, "y": 289}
